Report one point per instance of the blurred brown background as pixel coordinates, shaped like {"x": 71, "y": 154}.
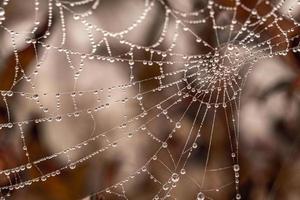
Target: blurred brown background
{"x": 269, "y": 114}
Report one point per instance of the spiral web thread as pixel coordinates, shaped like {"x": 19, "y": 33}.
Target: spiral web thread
{"x": 208, "y": 83}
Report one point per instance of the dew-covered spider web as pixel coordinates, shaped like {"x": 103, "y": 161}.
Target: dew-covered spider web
{"x": 140, "y": 93}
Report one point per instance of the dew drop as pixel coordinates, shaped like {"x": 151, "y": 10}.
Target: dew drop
{"x": 10, "y": 125}
{"x": 28, "y": 166}
{"x": 236, "y": 168}
{"x": 230, "y": 47}
{"x": 114, "y": 144}
{"x": 194, "y": 145}
{"x": 58, "y": 118}
{"x": 165, "y": 187}
{"x": 200, "y": 196}
{"x": 175, "y": 177}
{"x": 178, "y": 125}
{"x": 156, "y": 197}
{"x": 198, "y": 40}
{"x": 58, "y": 4}
{"x": 35, "y": 96}
{"x": 28, "y": 40}
{"x": 139, "y": 97}
{"x": 9, "y": 93}
{"x": 182, "y": 171}
{"x": 144, "y": 169}
{"x": 44, "y": 178}
{"x": 76, "y": 17}
{"x": 72, "y": 166}
{"x": 2, "y": 12}
{"x": 164, "y": 145}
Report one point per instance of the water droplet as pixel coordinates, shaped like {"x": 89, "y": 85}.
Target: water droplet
{"x": 182, "y": 171}
{"x": 236, "y": 168}
{"x": 139, "y": 97}
{"x": 58, "y": 4}
{"x": 154, "y": 157}
{"x": 175, "y": 177}
{"x": 230, "y": 47}
{"x": 72, "y": 166}
{"x": 58, "y": 118}
{"x": 194, "y": 145}
{"x": 76, "y": 114}
{"x": 76, "y": 17}
{"x": 144, "y": 169}
{"x": 178, "y": 125}
{"x": 9, "y": 93}
{"x": 165, "y": 186}
{"x": 28, "y": 166}
{"x": 164, "y": 145}
{"x": 10, "y": 125}
{"x": 114, "y": 144}
{"x": 236, "y": 174}
{"x": 2, "y": 12}
{"x": 131, "y": 62}
{"x": 200, "y": 196}
{"x": 198, "y": 40}
{"x": 35, "y": 96}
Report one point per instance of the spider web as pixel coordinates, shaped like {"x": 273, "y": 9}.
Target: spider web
{"x": 165, "y": 110}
